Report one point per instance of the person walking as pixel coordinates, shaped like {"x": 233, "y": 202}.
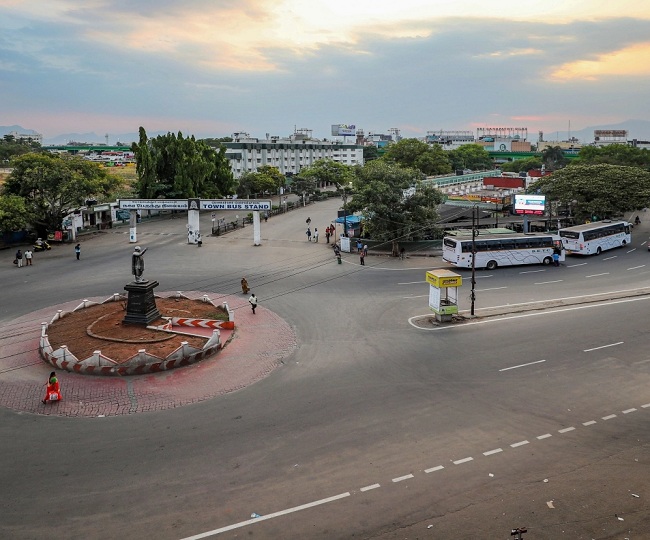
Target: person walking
{"x": 308, "y": 234}
{"x": 316, "y": 234}
{"x": 327, "y": 234}
{"x": 402, "y": 253}
{"x": 28, "y": 257}
{"x": 244, "y": 285}
{"x": 308, "y": 221}
{"x": 19, "y": 258}
{"x": 77, "y": 250}
{"x": 556, "y": 257}
{"x": 365, "y": 250}
{"x": 362, "y": 257}
{"x": 253, "y": 302}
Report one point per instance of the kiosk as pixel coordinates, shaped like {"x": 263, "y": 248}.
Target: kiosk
{"x": 443, "y": 293}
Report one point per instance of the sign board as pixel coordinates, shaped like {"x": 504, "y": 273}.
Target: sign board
{"x": 444, "y": 278}
{"x": 343, "y": 130}
{"x": 153, "y": 204}
{"x": 530, "y": 204}
{"x": 613, "y": 133}
{"x": 235, "y": 204}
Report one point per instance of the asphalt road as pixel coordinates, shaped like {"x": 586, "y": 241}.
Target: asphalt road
{"x": 372, "y": 428}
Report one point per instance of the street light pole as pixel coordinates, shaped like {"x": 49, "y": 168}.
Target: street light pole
{"x": 472, "y": 295}
{"x": 345, "y": 213}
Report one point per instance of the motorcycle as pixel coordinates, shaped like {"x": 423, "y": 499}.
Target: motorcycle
{"x": 41, "y": 245}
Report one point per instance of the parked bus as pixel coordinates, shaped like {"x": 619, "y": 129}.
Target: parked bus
{"x": 596, "y": 237}
{"x": 494, "y": 250}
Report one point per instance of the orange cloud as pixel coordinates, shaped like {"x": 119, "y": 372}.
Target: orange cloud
{"x": 631, "y": 61}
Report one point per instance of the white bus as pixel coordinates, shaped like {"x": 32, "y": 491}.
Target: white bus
{"x": 596, "y": 237}
{"x": 494, "y": 250}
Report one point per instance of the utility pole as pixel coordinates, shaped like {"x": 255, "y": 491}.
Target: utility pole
{"x": 472, "y": 295}
{"x": 345, "y": 213}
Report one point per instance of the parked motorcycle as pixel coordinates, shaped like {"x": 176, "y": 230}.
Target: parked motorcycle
{"x": 41, "y": 245}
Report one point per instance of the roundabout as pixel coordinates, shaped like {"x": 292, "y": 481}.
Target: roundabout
{"x": 249, "y": 353}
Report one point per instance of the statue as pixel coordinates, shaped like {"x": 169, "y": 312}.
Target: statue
{"x": 137, "y": 264}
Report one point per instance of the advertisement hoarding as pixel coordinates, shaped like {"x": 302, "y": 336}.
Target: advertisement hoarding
{"x": 343, "y": 130}
{"x": 530, "y": 204}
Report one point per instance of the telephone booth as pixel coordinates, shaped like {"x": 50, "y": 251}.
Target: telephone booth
{"x": 443, "y": 293}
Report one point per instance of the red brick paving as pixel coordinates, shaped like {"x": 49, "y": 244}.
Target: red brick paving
{"x": 259, "y": 344}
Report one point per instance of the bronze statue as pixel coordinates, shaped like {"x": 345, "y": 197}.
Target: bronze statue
{"x": 137, "y": 264}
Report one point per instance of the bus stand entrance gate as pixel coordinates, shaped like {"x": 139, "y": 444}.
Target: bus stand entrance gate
{"x": 193, "y": 207}
{"x": 443, "y": 293}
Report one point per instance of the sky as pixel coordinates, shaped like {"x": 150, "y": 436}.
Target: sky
{"x": 210, "y": 68}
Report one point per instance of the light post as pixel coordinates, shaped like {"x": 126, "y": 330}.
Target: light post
{"x": 472, "y": 294}
{"x": 345, "y": 213}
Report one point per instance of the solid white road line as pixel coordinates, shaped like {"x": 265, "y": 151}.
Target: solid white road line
{"x": 637, "y": 267}
{"x": 464, "y": 460}
{"x": 596, "y": 275}
{"x": 411, "y": 282}
{"x": 532, "y": 271}
{"x": 523, "y": 365}
{"x": 520, "y": 443}
{"x": 609, "y": 417}
{"x": 400, "y": 478}
{"x": 419, "y": 296}
{"x": 590, "y": 423}
{"x": 267, "y": 516}
{"x": 574, "y": 265}
{"x": 368, "y": 488}
{"x": 628, "y": 411}
{"x": 612, "y": 257}
{"x": 492, "y": 289}
{"x": 545, "y": 436}
{"x": 565, "y": 430}
{"x": 604, "y": 346}
{"x": 495, "y": 451}
{"x": 547, "y": 282}
{"x": 434, "y": 469}
{"x": 481, "y": 277}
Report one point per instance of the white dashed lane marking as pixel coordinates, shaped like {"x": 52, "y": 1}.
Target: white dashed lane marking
{"x": 522, "y": 365}
{"x": 565, "y": 430}
{"x": 609, "y": 417}
{"x": 596, "y": 275}
{"x": 628, "y": 411}
{"x": 574, "y": 265}
{"x": 520, "y": 443}
{"x": 401, "y": 478}
{"x": 547, "y": 282}
{"x": 490, "y": 452}
{"x": 637, "y": 267}
{"x": 368, "y": 488}
{"x": 590, "y": 423}
{"x": 464, "y": 460}
{"x": 604, "y": 346}
{"x": 545, "y": 436}
{"x": 434, "y": 469}
{"x": 612, "y": 257}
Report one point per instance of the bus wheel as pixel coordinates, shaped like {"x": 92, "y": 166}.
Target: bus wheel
{"x": 599, "y": 251}
{"x": 624, "y": 242}
{"x": 547, "y": 261}
{"x": 491, "y": 265}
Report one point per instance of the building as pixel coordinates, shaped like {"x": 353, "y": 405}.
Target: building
{"x": 26, "y": 137}
{"x": 450, "y": 140}
{"x": 289, "y": 155}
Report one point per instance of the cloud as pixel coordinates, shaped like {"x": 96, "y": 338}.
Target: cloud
{"x": 632, "y": 61}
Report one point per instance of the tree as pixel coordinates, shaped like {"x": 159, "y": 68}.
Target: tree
{"x": 53, "y": 186}
{"x": 173, "y": 166}
{"x": 470, "y": 156}
{"x": 267, "y": 179}
{"x": 393, "y": 212}
{"x": 416, "y": 154}
{"x": 522, "y": 165}
{"x": 553, "y": 158}
{"x": 615, "y": 154}
{"x": 327, "y": 172}
{"x": 13, "y": 213}
{"x": 599, "y": 190}
{"x": 370, "y": 152}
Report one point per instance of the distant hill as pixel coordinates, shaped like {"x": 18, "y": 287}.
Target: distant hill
{"x": 5, "y": 130}
{"x": 636, "y": 129}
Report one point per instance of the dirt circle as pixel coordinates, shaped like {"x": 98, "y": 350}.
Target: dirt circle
{"x": 100, "y": 328}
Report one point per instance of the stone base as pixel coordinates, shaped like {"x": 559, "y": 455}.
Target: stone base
{"x": 141, "y": 306}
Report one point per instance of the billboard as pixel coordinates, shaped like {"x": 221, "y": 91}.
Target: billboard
{"x": 343, "y": 130}
{"x": 530, "y": 204}
{"x": 610, "y": 133}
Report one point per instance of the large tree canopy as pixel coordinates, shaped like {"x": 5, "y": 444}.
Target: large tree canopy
{"x": 522, "y": 165}
{"x": 392, "y": 211}
{"x": 416, "y": 154}
{"x": 471, "y": 156}
{"x": 13, "y": 213}
{"x": 615, "y": 154}
{"x": 54, "y": 186}
{"x": 266, "y": 179}
{"x": 172, "y": 166}
{"x": 603, "y": 191}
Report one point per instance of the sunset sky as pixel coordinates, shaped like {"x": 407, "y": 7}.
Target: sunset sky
{"x": 213, "y": 67}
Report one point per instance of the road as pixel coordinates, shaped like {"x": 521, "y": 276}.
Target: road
{"x": 372, "y": 428}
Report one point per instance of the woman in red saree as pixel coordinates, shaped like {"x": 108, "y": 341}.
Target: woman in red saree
{"x": 53, "y": 391}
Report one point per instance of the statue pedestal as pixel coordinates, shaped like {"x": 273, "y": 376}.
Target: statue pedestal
{"x": 141, "y": 306}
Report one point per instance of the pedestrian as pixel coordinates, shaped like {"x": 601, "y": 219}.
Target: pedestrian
{"x": 253, "y": 302}
{"x": 365, "y": 250}
{"x": 308, "y": 234}
{"x": 28, "y": 257}
{"x": 266, "y": 217}
{"x": 327, "y": 235}
{"x": 19, "y": 258}
{"x": 77, "y": 250}
{"x": 244, "y": 286}
{"x": 556, "y": 257}
{"x": 402, "y": 252}
{"x": 359, "y": 246}
{"x": 362, "y": 257}
{"x": 53, "y": 389}
{"x": 308, "y": 221}
{"x": 316, "y": 234}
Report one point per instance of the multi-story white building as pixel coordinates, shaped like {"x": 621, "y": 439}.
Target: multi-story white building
{"x": 26, "y": 137}
{"x": 288, "y": 155}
